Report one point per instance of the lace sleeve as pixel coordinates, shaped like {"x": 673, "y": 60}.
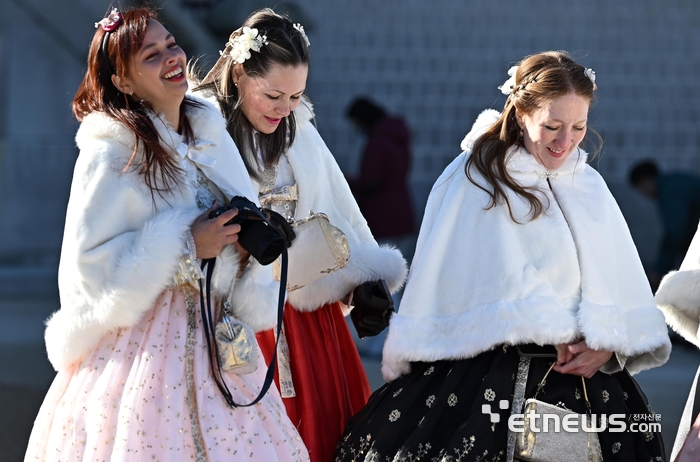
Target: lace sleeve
{"x": 188, "y": 268}
{"x": 615, "y": 364}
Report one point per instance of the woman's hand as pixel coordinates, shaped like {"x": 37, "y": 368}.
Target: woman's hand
{"x": 563, "y": 353}
{"x": 579, "y": 359}
{"x": 210, "y": 236}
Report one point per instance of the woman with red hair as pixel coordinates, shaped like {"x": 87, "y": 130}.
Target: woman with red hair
{"x": 134, "y": 380}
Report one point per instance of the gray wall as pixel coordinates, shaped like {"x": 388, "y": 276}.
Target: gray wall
{"x": 436, "y": 63}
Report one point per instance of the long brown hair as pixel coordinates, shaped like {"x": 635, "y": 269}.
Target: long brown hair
{"x": 285, "y": 46}
{"x": 540, "y": 78}
{"x": 97, "y": 93}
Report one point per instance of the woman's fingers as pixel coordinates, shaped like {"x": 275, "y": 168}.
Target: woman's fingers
{"x": 578, "y": 347}
{"x": 585, "y": 364}
{"x": 211, "y": 235}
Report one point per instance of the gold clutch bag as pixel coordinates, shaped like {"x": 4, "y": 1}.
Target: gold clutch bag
{"x": 556, "y": 444}
{"x": 319, "y": 249}
{"x": 237, "y": 347}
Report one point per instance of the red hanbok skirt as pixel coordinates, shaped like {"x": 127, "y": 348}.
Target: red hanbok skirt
{"x": 329, "y": 379}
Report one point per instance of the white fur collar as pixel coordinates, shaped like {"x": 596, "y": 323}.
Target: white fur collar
{"x": 205, "y": 119}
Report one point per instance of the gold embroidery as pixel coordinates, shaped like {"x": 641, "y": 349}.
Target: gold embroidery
{"x": 518, "y": 400}
{"x": 284, "y": 368}
{"x": 191, "y": 301}
{"x": 289, "y": 193}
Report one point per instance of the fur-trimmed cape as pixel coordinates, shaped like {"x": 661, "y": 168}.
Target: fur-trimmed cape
{"x": 479, "y": 279}
{"x": 678, "y": 295}
{"x": 323, "y": 188}
{"x": 120, "y": 250}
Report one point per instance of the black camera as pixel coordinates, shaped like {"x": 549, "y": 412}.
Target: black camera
{"x": 262, "y": 235}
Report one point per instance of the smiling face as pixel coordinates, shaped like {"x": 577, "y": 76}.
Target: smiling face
{"x": 552, "y": 132}
{"x": 156, "y": 72}
{"x": 266, "y": 100}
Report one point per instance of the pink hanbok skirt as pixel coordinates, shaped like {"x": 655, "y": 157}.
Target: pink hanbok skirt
{"x": 147, "y": 393}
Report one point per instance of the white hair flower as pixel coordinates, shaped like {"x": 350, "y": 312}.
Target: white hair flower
{"x": 509, "y": 85}
{"x": 246, "y": 41}
{"x": 590, "y": 73}
{"x": 300, "y": 28}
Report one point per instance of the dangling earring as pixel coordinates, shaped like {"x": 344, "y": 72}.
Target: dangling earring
{"x": 521, "y": 133}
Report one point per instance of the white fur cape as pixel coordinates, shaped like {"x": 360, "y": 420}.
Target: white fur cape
{"x": 679, "y": 295}
{"x": 120, "y": 252}
{"x": 323, "y": 189}
{"x": 479, "y": 280}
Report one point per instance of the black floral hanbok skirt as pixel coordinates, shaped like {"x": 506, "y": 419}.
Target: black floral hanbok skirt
{"x": 436, "y": 412}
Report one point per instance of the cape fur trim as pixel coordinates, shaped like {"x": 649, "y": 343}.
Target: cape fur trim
{"x": 323, "y": 189}
{"x": 483, "y": 122}
{"x": 206, "y": 120}
{"x": 367, "y": 263}
{"x": 679, "y": 299}
{"x": 468, "y": 334}
{"x": 118, "y": 254}
{"x": 139, "y": 278}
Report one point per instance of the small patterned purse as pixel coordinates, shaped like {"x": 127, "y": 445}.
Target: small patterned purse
{"x": 235, "y": 348}
{"x": 552, "y": 445}
{"x": 236, "y": 344}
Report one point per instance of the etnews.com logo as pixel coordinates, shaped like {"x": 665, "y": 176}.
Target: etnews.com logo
{"x": 573, "y": 422}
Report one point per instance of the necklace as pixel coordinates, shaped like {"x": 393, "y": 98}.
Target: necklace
{"x": 267, "y": 179}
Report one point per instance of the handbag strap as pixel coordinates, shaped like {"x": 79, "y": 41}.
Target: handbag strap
{"x": 207, "y": 320}
{"x": 542, "y": 383}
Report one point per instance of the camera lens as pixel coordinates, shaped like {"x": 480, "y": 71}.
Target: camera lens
{"x": 263, "y": 242}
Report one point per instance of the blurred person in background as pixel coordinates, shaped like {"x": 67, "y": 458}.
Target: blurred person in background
{"x": 259, "y": 84}
{"x": 677, "y": 195}
{"x": 381, "y": 188}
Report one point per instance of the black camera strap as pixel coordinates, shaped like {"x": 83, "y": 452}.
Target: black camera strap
{"x": 208, "y": 321}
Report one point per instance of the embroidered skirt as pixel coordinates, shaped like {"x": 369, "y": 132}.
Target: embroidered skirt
{"x": 329, "y": 380}
{"x": 436, "y": 412}
{"x": 146, "y": 393}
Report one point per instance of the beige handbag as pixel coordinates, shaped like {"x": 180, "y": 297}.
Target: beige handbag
{"x": 319, "y": 249}
{"x": 556, "y": 446}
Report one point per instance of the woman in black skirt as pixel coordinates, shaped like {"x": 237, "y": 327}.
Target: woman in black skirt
{"x": 523, "y": 260}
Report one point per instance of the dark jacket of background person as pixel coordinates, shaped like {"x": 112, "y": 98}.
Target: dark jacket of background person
{"x": 679, "y": 200}
{"x": 381, "y": 189}
{"x": 678, "y": 197}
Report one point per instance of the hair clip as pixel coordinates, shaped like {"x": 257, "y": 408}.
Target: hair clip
{"x": 111, "y": 22}
{"x": 246, "y": 41}
{"x": 300, "y": 28}
{"x": 590, "y": 73}
{"x": 509, "y": 85}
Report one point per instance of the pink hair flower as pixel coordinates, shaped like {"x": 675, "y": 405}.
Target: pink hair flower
{"x": 111, "y": 22}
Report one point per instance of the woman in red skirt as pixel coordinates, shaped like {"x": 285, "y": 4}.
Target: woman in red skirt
{"x": 259, "y": 83}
